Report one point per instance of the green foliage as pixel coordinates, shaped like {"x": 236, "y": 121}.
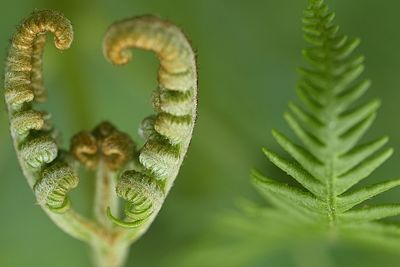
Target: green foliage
{"x": 330, "y": 124}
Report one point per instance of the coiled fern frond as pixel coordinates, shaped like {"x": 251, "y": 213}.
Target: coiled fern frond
{"x": 329, "y": 123}
{"x": 142, "y": 177}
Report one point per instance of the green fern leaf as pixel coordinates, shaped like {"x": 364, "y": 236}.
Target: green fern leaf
{"x": 329, "y": 124}
{"x": 370, "y": 213}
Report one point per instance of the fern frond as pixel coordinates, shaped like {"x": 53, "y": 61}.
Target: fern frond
{"x": 329, "y": 123}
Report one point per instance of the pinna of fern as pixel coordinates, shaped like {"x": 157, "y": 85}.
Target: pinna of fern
{"x": 330, "y": 124}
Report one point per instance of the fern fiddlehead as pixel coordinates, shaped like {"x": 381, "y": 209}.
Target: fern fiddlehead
{"x": 147, "y": 174}
{"x": 167, "y": 133}
{"x": 35, "y": 146}
{"x": 330, "y": 126}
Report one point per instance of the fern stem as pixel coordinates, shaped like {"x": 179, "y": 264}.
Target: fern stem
{"x": 312, "y": 255}
{"x": 105, "y": 196}
{"x": 331, "y": 124}
{"x": 330, "y": 173}
{"x": 110, "y": 254}
{"x": 331, "y": 121}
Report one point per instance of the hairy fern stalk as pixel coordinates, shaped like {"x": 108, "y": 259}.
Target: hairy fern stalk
{"x": 329, "y": 123}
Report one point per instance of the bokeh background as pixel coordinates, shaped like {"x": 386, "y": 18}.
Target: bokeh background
{"x": 247, "y": 55}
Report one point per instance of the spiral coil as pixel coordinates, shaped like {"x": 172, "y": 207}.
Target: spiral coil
{"x": 33, "y": 137}
{"x": 169, "y": 131}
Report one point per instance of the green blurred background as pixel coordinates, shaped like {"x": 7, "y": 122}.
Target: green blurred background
{"x": 247, "y": 55}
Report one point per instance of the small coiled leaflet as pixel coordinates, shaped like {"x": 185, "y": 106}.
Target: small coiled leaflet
{"x": 56, "y": 181}
{"x": 144, "y": 197}
{"x": 35, "y": 145}
{"x": 168, "y": 132}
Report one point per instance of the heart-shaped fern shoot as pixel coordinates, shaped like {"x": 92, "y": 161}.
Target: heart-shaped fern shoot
{"x": 140, "y": 177}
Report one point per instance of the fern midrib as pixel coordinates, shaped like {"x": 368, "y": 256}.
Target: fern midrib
{"x": 330, "y": 167}
{"x": 331, "y": 124}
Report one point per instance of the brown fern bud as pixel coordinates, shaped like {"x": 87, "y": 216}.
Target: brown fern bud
{"x": 84, "y": 148}
{"x": 104, "y": 142}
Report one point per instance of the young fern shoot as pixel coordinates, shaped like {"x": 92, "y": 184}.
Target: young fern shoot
{"x": 167, "y": 133}
{"x": 142, "y": 177}
{"x": 329, "y": 123}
